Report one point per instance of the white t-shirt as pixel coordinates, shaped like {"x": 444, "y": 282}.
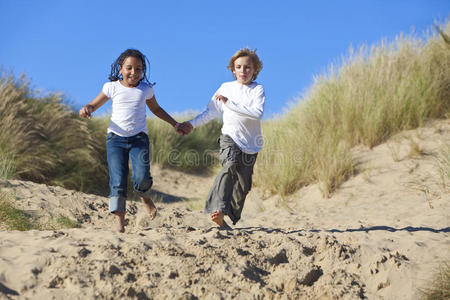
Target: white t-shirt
{"x": 128, "y": 116}
{"x": 241, "y": 114}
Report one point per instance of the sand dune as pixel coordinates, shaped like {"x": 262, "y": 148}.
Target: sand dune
{"x": 380, "y": 236}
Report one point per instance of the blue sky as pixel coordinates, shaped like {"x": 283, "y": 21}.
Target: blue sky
{"x": 68, "y": 46}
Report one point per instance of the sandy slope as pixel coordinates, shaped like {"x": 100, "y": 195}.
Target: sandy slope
{"x": 380, "y": 236}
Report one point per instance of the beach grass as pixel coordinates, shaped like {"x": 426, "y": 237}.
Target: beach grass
{"x": 369, "y": 96}
{"x": 42, "y": 140}
{"x": 439, "y": 287}
{"x": 443, "y": 165}
{"x": 197, "y": 152}
{"x": 7, "y": 166}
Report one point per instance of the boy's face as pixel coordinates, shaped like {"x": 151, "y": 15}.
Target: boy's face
{"x": 244, "y": 70}
{"x": 132, "y": 71}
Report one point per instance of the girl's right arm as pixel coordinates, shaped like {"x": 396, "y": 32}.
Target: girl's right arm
{"x": 88, "y": 109}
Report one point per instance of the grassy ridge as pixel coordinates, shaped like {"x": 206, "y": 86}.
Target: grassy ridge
{"x": 375, "y": 93}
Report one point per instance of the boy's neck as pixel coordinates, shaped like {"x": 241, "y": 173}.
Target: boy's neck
{"x": 245, "y": 83}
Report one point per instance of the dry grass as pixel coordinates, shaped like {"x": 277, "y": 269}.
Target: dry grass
{"x": 196, "y": 204}
{"x": 43, "y": 140}
{"x": 439, "y": 287}
{"x": 196, "y": 152}
{"x": 375, "y": 93}
{"x": 415, "y": 150}
{"x": 443, "y": 165}
{"x": 394, "y": 147}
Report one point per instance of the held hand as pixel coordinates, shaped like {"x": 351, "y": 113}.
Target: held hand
{"x": 184, "y": 128}
{"x": 221, "y": 98}
{"x": 86, "y": 111}
{"x": 178, "y": 129}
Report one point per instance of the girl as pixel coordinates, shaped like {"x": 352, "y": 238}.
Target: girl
{"x": 129, "y": 91}
{"x": 241, "y": 105}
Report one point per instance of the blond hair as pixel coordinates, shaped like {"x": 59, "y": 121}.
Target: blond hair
{"x": 257, "y": 64}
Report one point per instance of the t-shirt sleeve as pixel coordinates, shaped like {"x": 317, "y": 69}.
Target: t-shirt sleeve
{"x": 149, "y": 93}
{"x": 107, "y": 89}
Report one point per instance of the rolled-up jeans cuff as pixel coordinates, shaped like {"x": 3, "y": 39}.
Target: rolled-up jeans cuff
{"x": 116, "y": 203}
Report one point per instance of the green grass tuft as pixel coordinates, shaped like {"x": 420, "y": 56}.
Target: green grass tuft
{"x": 11, "y": 217}
{"x": 65, "y": 222}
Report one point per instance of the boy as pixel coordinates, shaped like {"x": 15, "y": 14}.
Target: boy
{"x": 241, "y": 105}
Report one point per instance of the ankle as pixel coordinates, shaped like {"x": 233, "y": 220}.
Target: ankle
{"x": 147, "y": 200}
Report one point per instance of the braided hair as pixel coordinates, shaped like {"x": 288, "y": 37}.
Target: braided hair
{"x": 115, "y": 75}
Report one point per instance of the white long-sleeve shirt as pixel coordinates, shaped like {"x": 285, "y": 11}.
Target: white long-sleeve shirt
{"x": 241, "y": 114}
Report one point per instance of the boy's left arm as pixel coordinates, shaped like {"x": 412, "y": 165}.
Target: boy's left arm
{"x": 255, "y": 110}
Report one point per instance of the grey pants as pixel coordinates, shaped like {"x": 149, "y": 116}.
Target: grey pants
{"x": 233, "y": 182}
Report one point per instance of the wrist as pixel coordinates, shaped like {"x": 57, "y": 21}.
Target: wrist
{"x": 177, "y": 125}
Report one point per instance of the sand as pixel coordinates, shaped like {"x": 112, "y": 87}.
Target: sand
{"x": 381, "y": 235}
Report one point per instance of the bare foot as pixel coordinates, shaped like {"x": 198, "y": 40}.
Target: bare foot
{"x": 217, "y": 217}
{"x": 120, "y": 217}
{"x": 150, "y": 207}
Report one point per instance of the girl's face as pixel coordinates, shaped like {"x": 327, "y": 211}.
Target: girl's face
{"x": 132, "y": 71}
{"x": 244, "y": 70}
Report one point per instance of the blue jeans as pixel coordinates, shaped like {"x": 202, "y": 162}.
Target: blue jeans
{"x": 119, "y": 150}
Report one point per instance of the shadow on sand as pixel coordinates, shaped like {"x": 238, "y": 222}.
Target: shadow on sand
{"x": 161, "y": 197}
{"x": 7, "y": 291}
{"x": 362, "y": 229}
